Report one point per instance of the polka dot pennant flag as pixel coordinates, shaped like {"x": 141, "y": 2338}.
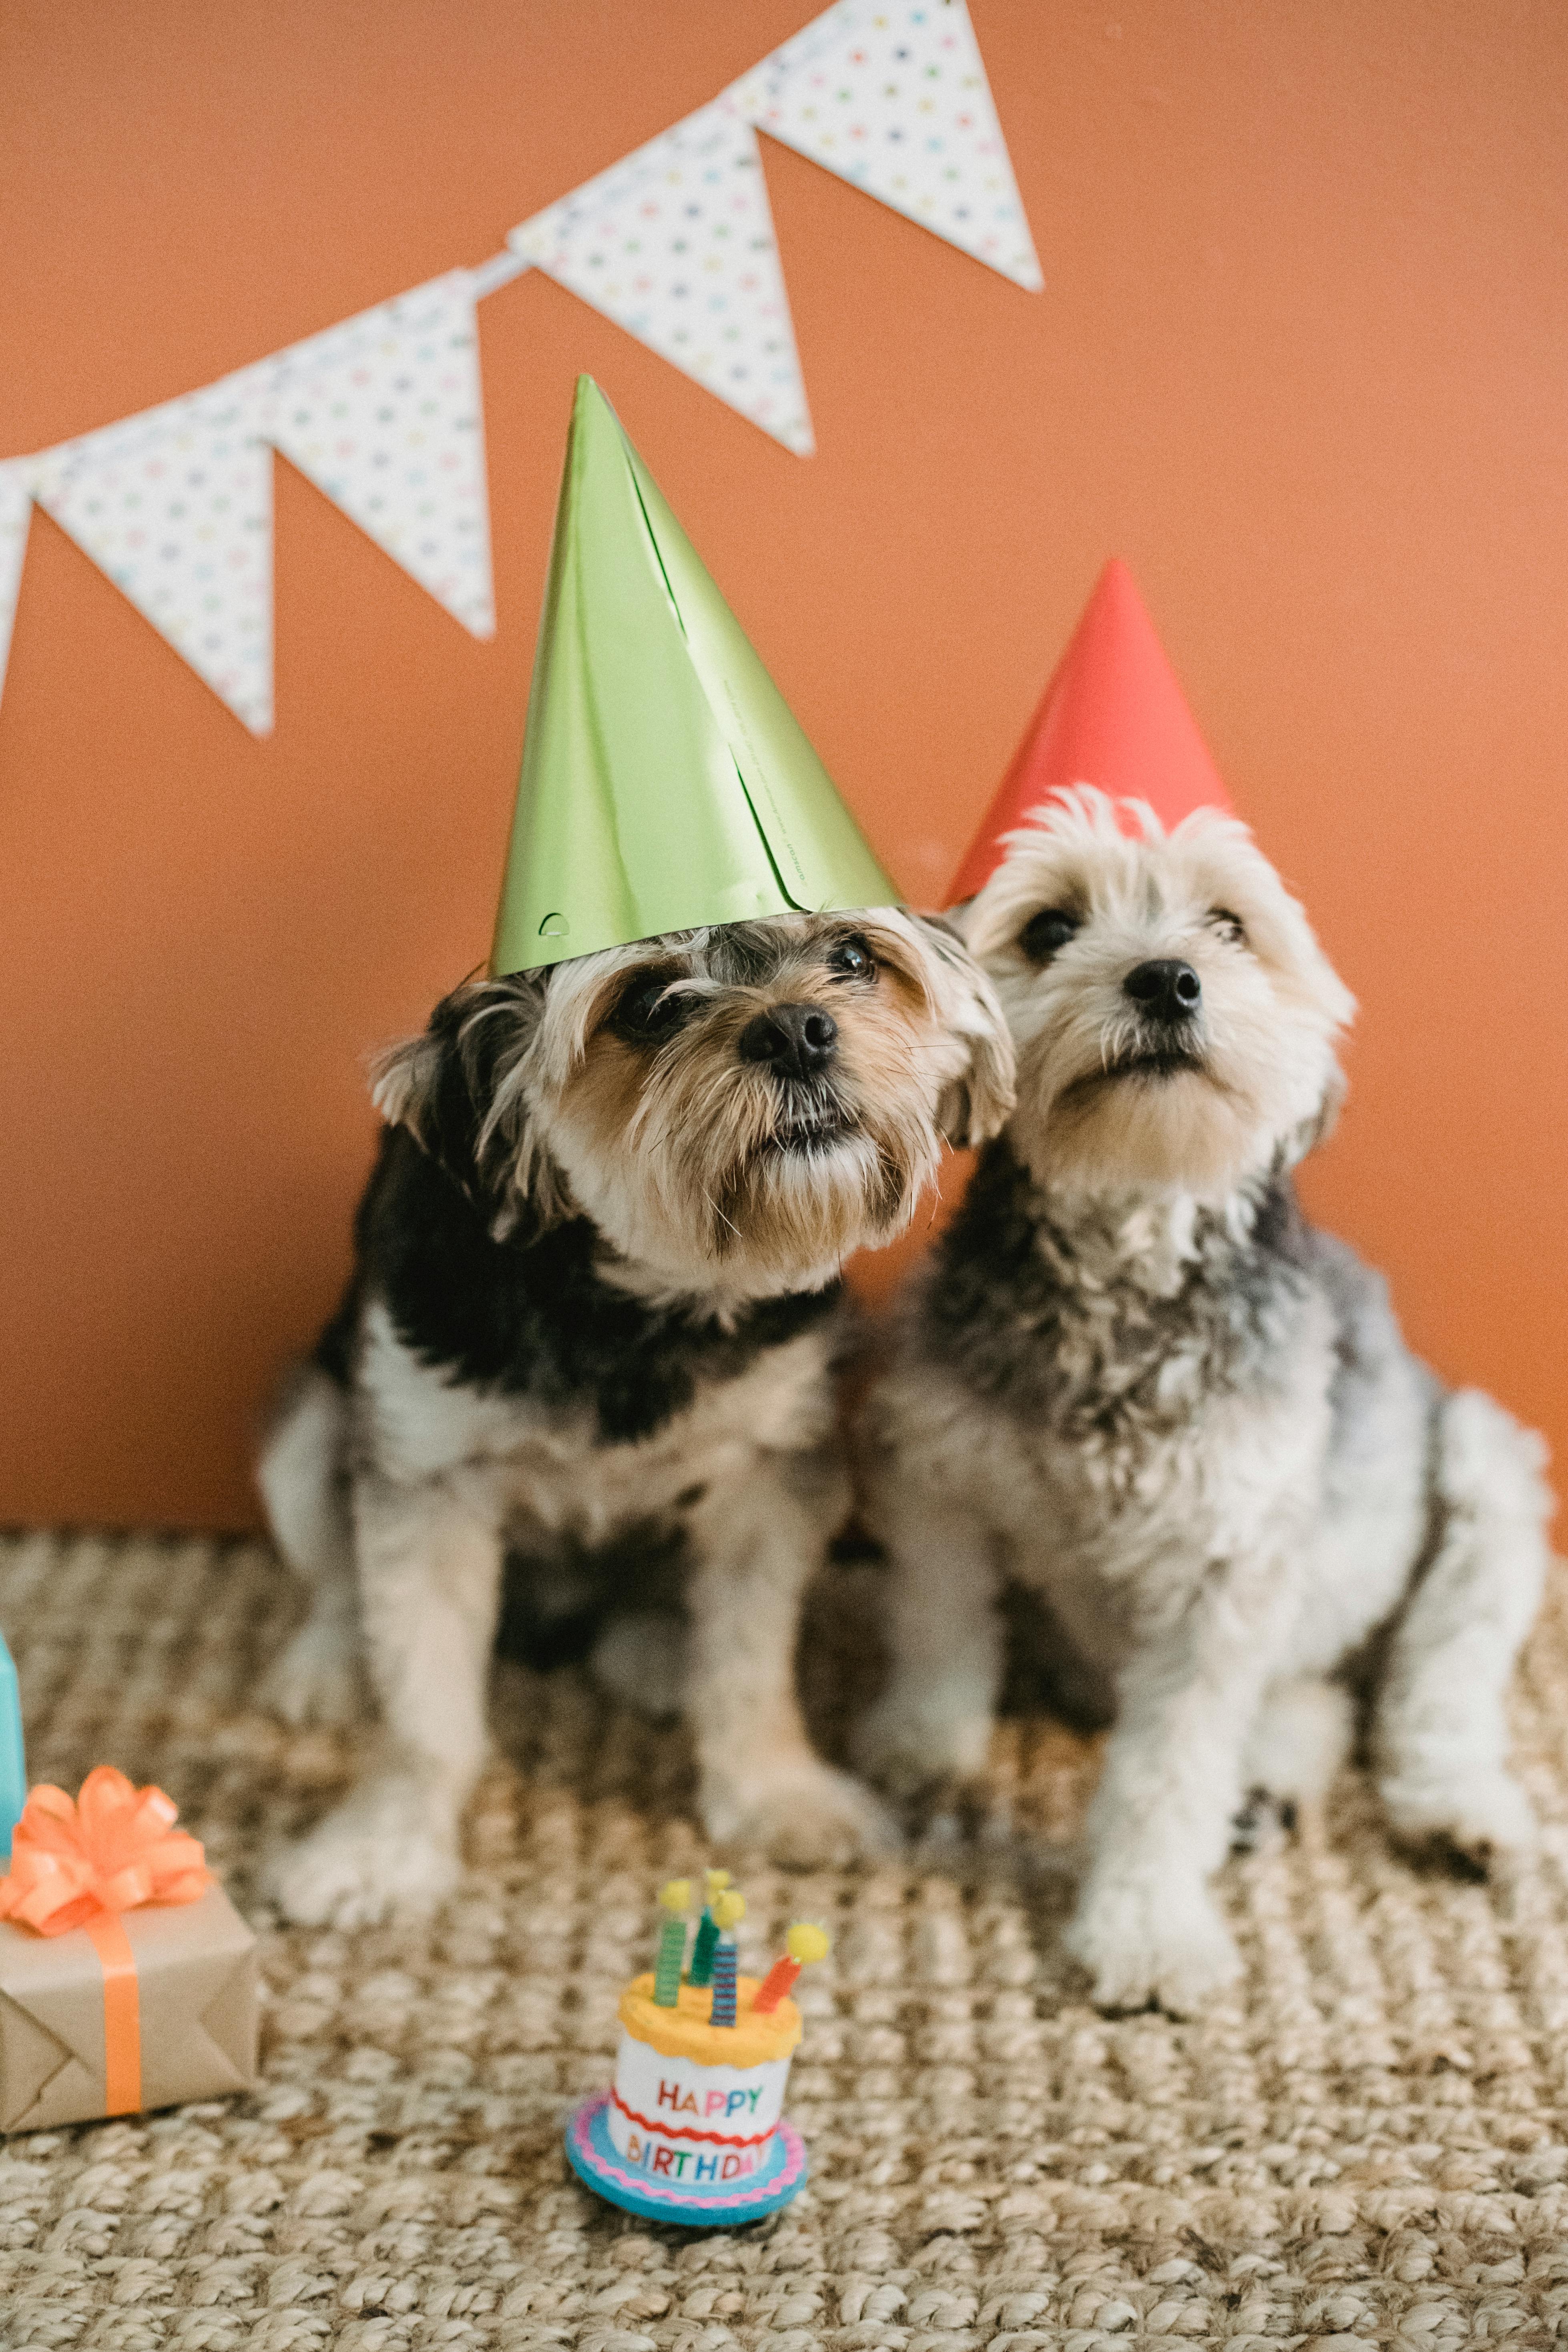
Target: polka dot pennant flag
{"x": 16, "y": 513}
{"x": 892, "y": 96}
{"x": 675, "y": 242}
{"x": 175, "y": 505}
{"x": 383, "y": 414}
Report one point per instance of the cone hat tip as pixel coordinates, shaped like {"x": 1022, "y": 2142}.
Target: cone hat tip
{"x": 665, "y": 783}
{"x": 588, "y": 400}
{"x": 1113, "y": 716}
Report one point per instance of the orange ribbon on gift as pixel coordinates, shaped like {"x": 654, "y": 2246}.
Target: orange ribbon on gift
{"x": 81, "y": 1864}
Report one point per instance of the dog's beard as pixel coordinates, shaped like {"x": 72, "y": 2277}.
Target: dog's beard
{"x": 719, "y": 1176}
{"x": 817, "y": 1189}
{"x": 1107, "y": 1104}
{"x": 1160, "y": 1118}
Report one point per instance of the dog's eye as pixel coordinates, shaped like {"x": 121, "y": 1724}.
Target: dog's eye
{"x": 645, "y": 1014}
{"x": 1048, "y": 932}
{"x": 853, "y": 960}
{"x": 1229, "y": 926}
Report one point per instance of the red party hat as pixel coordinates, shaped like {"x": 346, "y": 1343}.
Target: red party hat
{"x": 1112, "y": 715}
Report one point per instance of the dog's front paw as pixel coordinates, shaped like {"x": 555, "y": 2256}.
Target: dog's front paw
{"x": 807, "y": 1819}
{"x": 385, "y": 1849}
{"x": 1479, "y": 1819}
{"x": 1144, "y": 1940}
{"x": 911, "y": 1748}
{"x": 317, "y": 1678}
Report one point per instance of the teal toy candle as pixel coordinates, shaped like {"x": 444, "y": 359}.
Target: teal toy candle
{"x": 702, "y": 1950}
{"x": 675, "y": 1897}
{"x": 12, "y": 1760}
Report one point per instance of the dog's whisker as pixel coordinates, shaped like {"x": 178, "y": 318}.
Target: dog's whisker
{"x": 720, "y": 1215}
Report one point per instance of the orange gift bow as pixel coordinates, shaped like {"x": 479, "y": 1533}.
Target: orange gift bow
{"x": 112, "y": 1849}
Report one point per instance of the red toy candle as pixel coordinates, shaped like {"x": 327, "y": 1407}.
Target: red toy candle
{"x": 803, "y": 1944}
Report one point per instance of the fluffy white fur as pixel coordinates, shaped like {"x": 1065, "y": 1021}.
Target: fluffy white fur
{"x": 1186, "y": 1421}
{"x": 708, "y": 1186}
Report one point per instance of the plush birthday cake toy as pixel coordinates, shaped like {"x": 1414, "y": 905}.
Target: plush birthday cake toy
{"x": 692, "y": 2130}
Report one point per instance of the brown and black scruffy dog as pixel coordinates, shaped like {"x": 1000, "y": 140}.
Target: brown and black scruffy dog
{"x": 595, "y": 1295}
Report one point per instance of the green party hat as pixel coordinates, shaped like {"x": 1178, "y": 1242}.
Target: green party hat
{"x": 665, "y": 781}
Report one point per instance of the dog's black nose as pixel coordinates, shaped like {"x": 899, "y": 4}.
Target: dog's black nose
{"x": 1164, "y": 988}
{"x": 795, "y": 1040}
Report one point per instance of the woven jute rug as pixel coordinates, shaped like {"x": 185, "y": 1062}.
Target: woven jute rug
{"x": 1366, "y": 2144}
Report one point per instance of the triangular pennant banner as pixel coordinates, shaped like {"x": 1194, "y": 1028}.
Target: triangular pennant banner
{"x": 892, "y": 96}
{"x": 675, "y": 242}
{"x": 384, "y": 415}
{"x": 16, "y": 513}
{"x": 175, "y": 505}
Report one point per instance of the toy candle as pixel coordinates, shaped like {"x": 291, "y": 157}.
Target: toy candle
{"x": 803, "y": 1945}
{"x": 724, "y": 1968}
{"x": 702, "y": 1950}
{"x": 675, "y": 1895}
{"x": 728, "y": 1909}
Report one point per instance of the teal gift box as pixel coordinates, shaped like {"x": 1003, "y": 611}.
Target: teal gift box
{"x": 12, "y": 1760}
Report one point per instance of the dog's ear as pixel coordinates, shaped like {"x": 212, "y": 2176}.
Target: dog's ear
{"x": 405, "y": 1080}
{"x": 1317, "y": 1130}
{"x": 978, "y": 1098}
{"x": 458, "y": 1088}
{"x": 439, "y": 1087}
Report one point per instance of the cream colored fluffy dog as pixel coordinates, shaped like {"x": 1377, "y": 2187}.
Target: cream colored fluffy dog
{"x": 1134, "y": 1380}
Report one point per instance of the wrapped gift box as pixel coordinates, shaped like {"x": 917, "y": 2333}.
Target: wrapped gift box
{"x": 67, "y": 2015}
{"x": 127, "y": 1978}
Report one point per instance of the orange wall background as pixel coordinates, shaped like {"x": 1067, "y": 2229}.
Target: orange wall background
{"x": 1302, "y": 359}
